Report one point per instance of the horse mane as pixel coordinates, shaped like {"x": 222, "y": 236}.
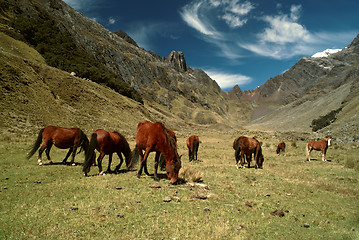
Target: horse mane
{"x": 169, "y": 138}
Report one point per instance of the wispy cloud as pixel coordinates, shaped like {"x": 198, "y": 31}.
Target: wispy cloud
{"x": 282, "y": 37}
{"x": 111, "y": 21}
{"x": 227, "y": 80}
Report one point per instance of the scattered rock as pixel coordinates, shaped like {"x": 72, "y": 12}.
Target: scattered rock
{"x": 167, "y": 199}
{"x": 118, "y": 187}
{"x": 138, "y": 201}
{"x": 201, "y": 196}
{"x": 73, "y": 208}
{"x": 248, "y": 204}
{"x": 176, "y": 199}
{"x": 278, "y": 213}
{"x": 306, "y": 225}
{"x": 240, "y": 227}
{"x": 120, "y": 215}
{"x": 155, "y": 185}
{"x": 206, "y": 209}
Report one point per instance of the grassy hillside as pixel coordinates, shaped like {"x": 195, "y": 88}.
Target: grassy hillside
{"x": 319, "y": 200}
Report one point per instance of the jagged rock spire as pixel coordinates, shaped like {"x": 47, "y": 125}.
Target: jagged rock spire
{"x": 176, "y": 58}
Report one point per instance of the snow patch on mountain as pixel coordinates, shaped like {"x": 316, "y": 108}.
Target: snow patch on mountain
{"x": 326, "y": 53}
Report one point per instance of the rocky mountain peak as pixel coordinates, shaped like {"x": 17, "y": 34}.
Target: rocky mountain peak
{"x": 176, "y": 58}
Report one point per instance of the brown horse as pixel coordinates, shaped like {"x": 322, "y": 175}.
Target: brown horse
{"x": 281, "y": 147}
{"x": 107, "y": 143}
{"x": 192, "y": 145}
{"x": 155, "y": 137}
{"x": 245, "y": 146}
{"x": 321, "y": 145}
{"x": 62, "y": 138}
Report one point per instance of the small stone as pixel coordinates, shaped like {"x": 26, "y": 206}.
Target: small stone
{"x": 73, "y": 208}
{"x": 118, "y": 187}
{"x": 155, "y": 185}
{"x": 306, "y": 225}
{"x": 278, "y": 213}
{"x": 120, "y": 215}
{"x": 206, "y": 209}
{"x": 167, "y": 199}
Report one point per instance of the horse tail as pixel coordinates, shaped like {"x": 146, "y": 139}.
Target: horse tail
{"x": 127, "y": 152}
{"x": 84, "y": 141}
{"x": 135, "y": 156}
{"x": 36, "y": 144}
{"x": 195, "y": 145}
{"x": 237, "y": 149}
{"x": 90, "y": 154}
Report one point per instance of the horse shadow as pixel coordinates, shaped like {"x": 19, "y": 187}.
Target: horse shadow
{"x": 63, "y": 164}
{"x": 319, "y": 159}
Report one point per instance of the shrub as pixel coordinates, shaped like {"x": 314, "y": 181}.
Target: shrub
{"x": 324, "y": 121}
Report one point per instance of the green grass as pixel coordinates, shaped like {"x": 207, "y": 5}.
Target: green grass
{"x": 57, "y": 202}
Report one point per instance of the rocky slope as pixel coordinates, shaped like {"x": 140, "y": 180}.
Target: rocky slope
{"x": 166, "y": 82}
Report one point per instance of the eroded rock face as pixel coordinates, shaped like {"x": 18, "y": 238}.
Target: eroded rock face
{"x": 178, "y": 61}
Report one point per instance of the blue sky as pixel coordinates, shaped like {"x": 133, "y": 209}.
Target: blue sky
{"x": 233, "y": 41}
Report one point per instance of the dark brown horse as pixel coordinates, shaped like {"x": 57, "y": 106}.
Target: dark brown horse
{"x": 321, "y": 145}
{"x": 281, "y": 147}
{"x": 107, "y": 143}
{"x": 245, "y": 146}
{"x": 192, "y": 145}
{"x": 62, "y": 138}
{"x": 155, "y": 137}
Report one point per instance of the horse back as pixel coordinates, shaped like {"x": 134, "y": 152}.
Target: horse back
{"x": 62, "y": 137}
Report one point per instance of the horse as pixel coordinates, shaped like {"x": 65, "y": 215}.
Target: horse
{"x": 107, "y": 143}
{"x": 321, "y": 145}
{"x": 155, "y": 137}
{"x": 245, "y": 146}
{"x": 62, "y": 138}
{"x": 192, "y": 145}
{"x": 281, "y": 147}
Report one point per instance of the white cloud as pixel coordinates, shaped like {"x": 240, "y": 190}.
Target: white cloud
{"x": 190, "y": 14}
{"x": 226, "y": 80}
{"x": 111, "y": 21}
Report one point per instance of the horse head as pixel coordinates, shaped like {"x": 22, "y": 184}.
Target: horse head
{"x": 329, "y": 139}
{"x": 172, "y": 169}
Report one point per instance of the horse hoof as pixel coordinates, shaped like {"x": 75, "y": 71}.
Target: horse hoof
{"x": 74, "y": 164}
{"x": 40, "y": 163}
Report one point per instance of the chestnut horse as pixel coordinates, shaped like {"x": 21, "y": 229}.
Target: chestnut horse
{"x": 321, "y": 145}
{"x": 192, "y": 145}
{"x": 62, "y": 138}
{"x": 245, "y": 146}
{"x": 107, "y": 143}
{"x": 155, "y": 137}
{"x": 281, "y": 147}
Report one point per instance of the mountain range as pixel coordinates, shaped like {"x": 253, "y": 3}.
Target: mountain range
{"x": 117, "y": 83}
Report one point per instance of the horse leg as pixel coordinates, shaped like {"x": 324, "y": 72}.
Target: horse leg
{"x": 189, "y": 154}
{"x": 143, "y": 162}
{"x": 47, "y": 151}
{"x": 324, "y": 152}
{"x": 73, "y": 156}
{"x": 242, "y": 160}
{"x": 119, "y": 165}
{"x": 109, "y": 163}
{"x": 67, "y": 156}
{"x": 157, "y": 158}
{"x": 249, "y": 159}
{"x": 41, "y": 149}
{"x": 99, "y": 162}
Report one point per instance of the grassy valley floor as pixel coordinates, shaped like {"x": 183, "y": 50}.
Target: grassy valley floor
{"x": 288, "y": 199}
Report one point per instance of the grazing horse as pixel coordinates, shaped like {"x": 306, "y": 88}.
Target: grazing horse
{"x": 62, "y": 138}
{"x": 281, "y": 147}
{"x": 321, "y": 145}
{"x": 245, "y": 146}
{"x": 192, "y": 145}
{"x": 107, "y": 143}
{"x": 155, "y": 137}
